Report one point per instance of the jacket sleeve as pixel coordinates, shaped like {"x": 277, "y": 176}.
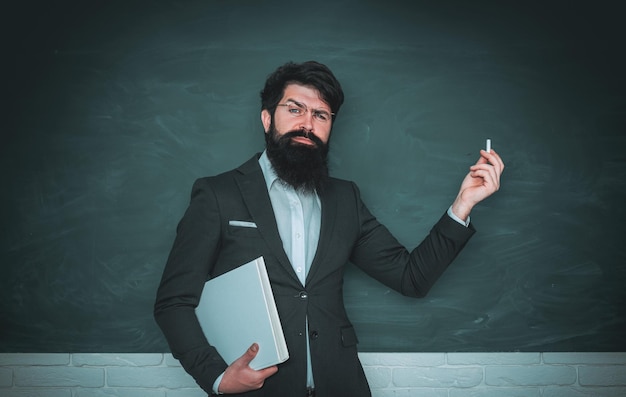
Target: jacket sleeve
{"x": 190, "y": 261}
{"x": 379, "y": 254}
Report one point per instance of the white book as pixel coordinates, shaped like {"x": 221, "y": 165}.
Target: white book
{"x": 237, "y": 309}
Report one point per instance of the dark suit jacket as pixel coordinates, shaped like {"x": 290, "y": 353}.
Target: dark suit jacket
{"x": 206, "y": 246}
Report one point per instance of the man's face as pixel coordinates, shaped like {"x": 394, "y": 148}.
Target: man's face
{"x": 311, "y": 121}
{"x": 297, "y": 138}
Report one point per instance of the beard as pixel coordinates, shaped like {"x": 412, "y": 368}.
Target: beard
{"x": 300, "y": 166}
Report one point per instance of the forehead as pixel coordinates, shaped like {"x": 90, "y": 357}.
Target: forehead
{"x": 304, "y": 94}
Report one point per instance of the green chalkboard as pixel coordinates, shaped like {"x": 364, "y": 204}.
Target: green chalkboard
{"x": 115, "y": 108}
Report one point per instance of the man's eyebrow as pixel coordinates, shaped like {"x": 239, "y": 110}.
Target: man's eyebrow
{"x": 302, "y": 105}
{"x": 295, "y": 102}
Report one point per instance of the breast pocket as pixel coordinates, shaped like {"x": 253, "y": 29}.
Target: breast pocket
{"x": 238, "y": 245}
{"x": 242, "y": 228}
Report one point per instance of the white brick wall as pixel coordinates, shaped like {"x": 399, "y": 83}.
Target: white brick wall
{"x": 389, "y": 374}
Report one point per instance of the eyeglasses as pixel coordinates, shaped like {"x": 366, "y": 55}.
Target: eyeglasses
{"x": 299, "y": 109}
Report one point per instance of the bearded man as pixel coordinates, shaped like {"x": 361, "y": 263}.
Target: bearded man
{"x": 282, "y": 205}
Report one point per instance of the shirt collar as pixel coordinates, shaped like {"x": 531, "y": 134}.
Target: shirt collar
{"x": 268, "y": 171}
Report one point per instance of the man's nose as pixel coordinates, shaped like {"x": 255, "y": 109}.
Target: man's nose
{"x": 307, "y": 131}
{"x": 306, "y": 122}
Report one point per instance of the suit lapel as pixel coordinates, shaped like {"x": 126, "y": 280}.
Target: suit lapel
{"x": 254, "y": 192}
{"x": 329, "y": 211}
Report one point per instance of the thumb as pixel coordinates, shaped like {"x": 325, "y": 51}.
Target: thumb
{"x": 250, "y": 353}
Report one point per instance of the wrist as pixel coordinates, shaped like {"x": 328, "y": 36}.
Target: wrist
{"x": 216, "y": 385}
{"x": 461, "y": 210}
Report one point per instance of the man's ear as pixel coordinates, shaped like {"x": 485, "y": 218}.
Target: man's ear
{"x": 266, "y": 119}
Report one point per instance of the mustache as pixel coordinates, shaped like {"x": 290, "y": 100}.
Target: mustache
{"x": 302, "y": 133}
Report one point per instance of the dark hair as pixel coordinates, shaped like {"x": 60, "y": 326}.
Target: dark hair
{"x": 308, "y": 73}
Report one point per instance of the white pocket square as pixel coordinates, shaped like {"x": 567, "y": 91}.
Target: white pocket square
{"x": 242, "y": 224}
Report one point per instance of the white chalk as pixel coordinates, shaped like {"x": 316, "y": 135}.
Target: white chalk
{"x": 488, "y": 147}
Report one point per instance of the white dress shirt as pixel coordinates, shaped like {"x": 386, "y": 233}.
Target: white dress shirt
{"x": 298, "y": 217}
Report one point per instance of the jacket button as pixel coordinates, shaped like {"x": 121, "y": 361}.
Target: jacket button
{"x": 314, "y": 334}
{"x": 303, "y": 295}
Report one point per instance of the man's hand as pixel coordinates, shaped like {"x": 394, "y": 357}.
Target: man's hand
{"x": 239, "y": 377}
{"x": 481, "y": 182}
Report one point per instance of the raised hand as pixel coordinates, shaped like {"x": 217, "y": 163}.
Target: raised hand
{"x": 481, "y": 182}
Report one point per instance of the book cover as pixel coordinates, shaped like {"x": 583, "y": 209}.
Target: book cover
{"x": 237, "y": 309}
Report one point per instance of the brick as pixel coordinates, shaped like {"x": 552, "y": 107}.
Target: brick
{"x": 111, "y": 391}
{"x": 496, "y": 392}
{"x": 168, "y": 377}
{"x": 6, "y": 377}
{"x": 602, "y": 375}
{"x": 584, "y": 392}
{"x": 493, "y": 358}
{"x": 402, "y": 359}
{"x": 59, "y": 377}
{"x": 539, "y": 375}
{"x": 170, "y": 361}
{"x": 437, "y": 377}
{"x": 196, "y": 392}
{"x": 115, "y": 360}
{"x": 29, "y": 392}
{"x": 412, "y": 392}
{"x": 389, "y": 375}
{"x": 378, "y": 377}
{"x": 27, "y": 359}
{"x": 584, "y": 358}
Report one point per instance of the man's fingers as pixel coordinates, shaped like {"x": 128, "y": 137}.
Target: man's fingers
{"x": 489, "y": 177}
{"x": 250, "y": 354}
{"x": 494, "y": 159}
{"x": 269, "y": 371}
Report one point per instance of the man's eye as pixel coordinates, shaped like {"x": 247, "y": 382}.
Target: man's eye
{"x": 322, "y": 116}
{"x": 295, "y": 110}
